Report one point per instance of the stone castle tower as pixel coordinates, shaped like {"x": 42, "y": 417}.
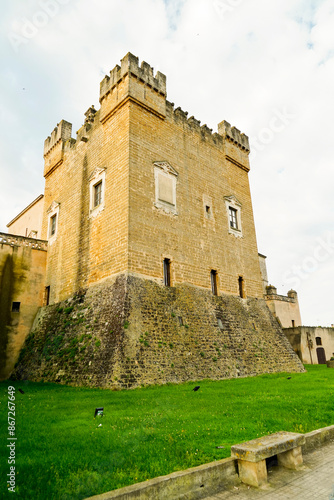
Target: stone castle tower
{"x": 142, "y": 183}
{"x": 152, "y": 271}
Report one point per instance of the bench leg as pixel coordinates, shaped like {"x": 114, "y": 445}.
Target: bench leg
{"x": 253, "y": 473}
{"x": 291, "y": 459}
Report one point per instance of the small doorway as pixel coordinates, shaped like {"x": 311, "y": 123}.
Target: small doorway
{"x": 321, "y": 356}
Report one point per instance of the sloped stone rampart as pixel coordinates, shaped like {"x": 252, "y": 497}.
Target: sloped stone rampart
{"x": 129, "y": 331}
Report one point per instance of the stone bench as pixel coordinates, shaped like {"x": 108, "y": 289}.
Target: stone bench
{"x": 252, "y": 455}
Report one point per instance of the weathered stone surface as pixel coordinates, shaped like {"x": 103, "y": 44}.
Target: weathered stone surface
{"x": 291, "y": 459}
{"x": 253, "y": 473}
{"x": 267, "y": 446}
{"x": 22, "y": 266}
{"x": 144, "y": 218}
{"x": 131, "y": 331}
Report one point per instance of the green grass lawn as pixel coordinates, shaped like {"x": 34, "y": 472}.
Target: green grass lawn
{"x": 62, "y": 453}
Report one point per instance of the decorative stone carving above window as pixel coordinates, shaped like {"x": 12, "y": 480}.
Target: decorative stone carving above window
{"x": 165, "y": 177}
{"x": 96, "y": 191}
{"x": 233, "y": 209}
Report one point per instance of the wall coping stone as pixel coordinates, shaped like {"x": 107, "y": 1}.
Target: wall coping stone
{"x": 204, "y": 480}
{"x": 14, "y": 240}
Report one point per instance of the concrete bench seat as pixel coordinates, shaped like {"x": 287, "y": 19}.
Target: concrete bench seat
{"x": 252, "y": 455}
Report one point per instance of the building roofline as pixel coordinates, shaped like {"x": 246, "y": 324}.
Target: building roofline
{"x": 25, "y": 210}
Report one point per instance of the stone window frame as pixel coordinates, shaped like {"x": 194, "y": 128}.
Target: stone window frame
{"x": 165, "y": 169}
{"x": 97, "y": 177}
{"x": 53, "y": 213}
{"x": 231, "y": 202}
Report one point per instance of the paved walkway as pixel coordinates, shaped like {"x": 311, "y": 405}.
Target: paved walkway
{"x": 315, "y": 482}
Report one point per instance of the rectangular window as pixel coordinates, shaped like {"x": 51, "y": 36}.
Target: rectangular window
{"x": 214, "y": 287}
{"x": 16, "y": 307}
{"x": 166, "y": 272}
{"x": 53, "y": 224}
{"x": 233, "y": 218}
{"x": 98, "y": 194}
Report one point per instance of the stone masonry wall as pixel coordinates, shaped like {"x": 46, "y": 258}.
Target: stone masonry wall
{"x": 194, "y": 243}
{"x": 22, "y": 274}
{"x": 128, "y": 331}
{"x": 135, "y": 128}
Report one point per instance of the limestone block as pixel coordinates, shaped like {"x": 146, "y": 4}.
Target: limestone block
{"x": 267, "y": 446}
{"x": 291, "y": 459}
{"x": 253, "y": 473}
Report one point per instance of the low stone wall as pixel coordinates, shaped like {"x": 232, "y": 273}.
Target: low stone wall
{"x": 200, "y": 482}
{"x": 318, "y": 438}
{"x": 131, "y": 331}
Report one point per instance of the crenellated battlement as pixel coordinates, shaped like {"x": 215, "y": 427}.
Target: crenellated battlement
{"x": 61, "y": 133}
{"x": 181, "y": 116}
{"x": 233, "y": 135}
{"x": 131, "y": 82}
{"x": 130, "y": 66}
{"x": 54, "y": 146}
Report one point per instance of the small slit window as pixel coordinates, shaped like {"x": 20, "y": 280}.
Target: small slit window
{"x": 241, "y": 287}
{"x": 318, "y": 341}
{"x": 166, "y": 272}
{"x": 214, "y": 287}
{"x": 47, "y": 295}
{"x": 16, "y": 307}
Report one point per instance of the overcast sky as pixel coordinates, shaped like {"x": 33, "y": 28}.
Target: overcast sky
{"x": 267, "y": 67}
